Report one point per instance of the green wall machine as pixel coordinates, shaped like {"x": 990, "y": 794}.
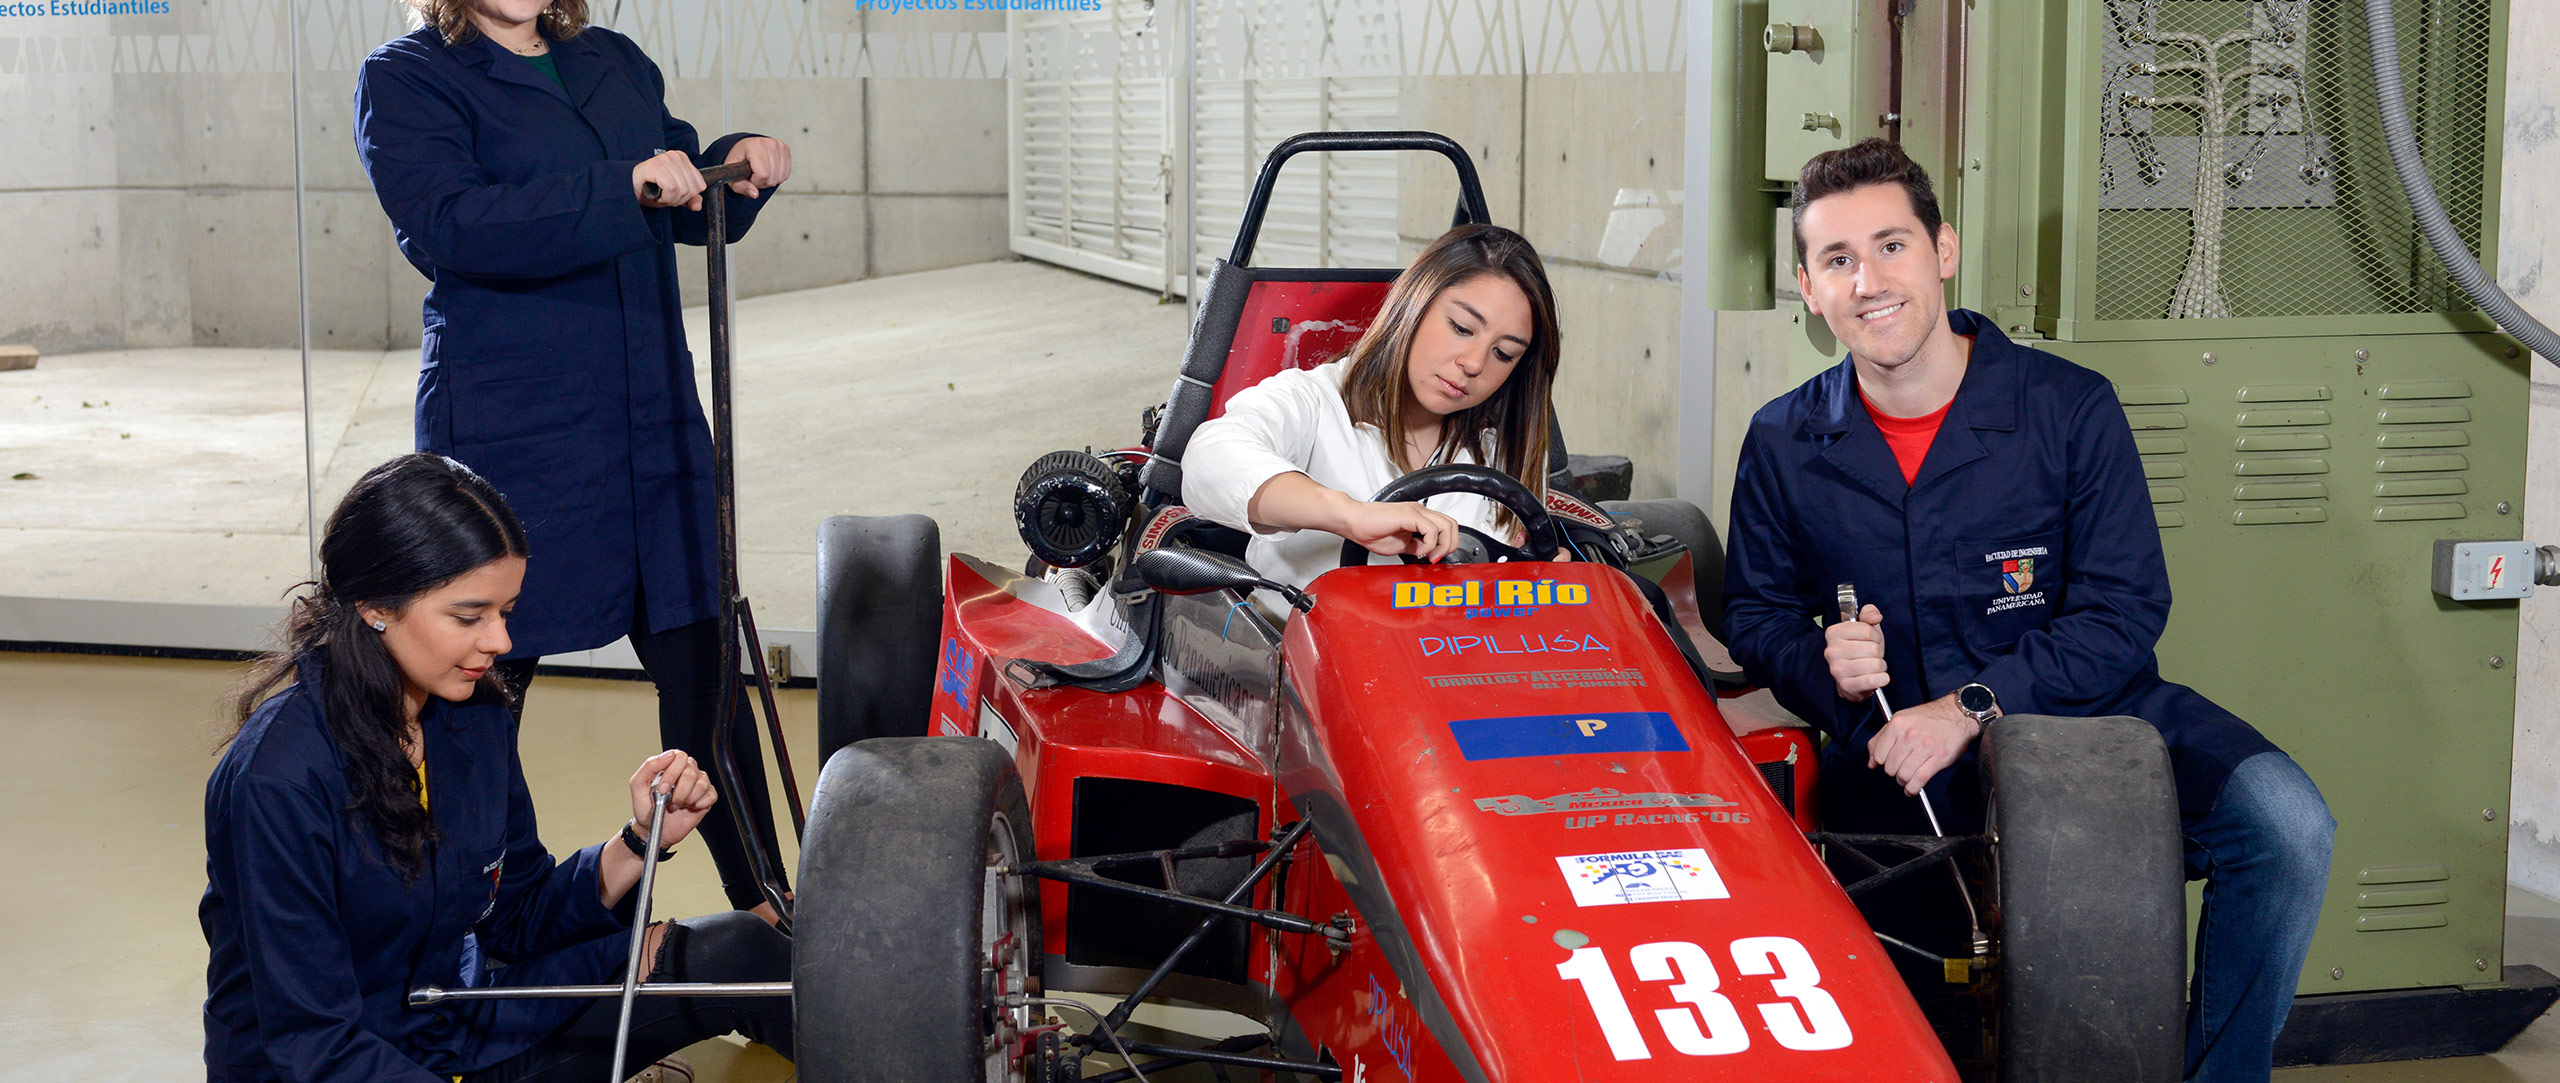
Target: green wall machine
{"x": 2194, "y": 197}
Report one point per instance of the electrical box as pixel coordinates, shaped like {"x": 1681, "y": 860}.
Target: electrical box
{"x": 2483, "y": 571}
{"x": 1829, "y": 78}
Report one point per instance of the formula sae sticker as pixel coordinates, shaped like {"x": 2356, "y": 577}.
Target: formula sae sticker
{"x": 1641, "y": 876}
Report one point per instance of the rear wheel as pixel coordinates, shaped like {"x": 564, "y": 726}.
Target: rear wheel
{"x": 911, "y": 928}
{"x": 879, "y": 618}
{"x": 2089, "y": 874}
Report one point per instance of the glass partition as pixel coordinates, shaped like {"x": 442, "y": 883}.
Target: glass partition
{"x": 152, "y": 388}
{"x": 1573, "y": 115}
{"x": 980, "y": 256}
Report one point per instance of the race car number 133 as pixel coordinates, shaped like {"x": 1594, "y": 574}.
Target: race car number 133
{"x": 1819, "y": 1026}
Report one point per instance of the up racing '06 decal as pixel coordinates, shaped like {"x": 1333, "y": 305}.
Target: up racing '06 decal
{"x": 1805, "y": 1019}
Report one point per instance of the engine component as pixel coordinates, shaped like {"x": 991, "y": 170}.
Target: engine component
{"x": 1071, "y": 508}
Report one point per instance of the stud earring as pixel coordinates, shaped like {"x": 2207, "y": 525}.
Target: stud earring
{"x": 379, "y": 626}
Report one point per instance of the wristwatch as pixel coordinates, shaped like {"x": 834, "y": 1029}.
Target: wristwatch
{"x": 638, "y": 846}
{"x": 1976, "y": 700}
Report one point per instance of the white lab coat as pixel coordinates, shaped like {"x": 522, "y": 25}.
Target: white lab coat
{"x": 1296, "y": 421}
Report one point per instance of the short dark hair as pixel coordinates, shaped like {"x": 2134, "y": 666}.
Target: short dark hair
{"x": 1872, "y": 160}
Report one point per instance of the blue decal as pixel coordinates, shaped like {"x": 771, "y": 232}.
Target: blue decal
{"x": 957, "y": 668}
{"x": 1393, "y": 1034}
{"x": 1566, "y": 734}
{"x": 1559, "y": 643}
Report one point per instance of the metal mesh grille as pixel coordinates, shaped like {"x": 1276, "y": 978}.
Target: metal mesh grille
{"x": 1781, "y": 777}
{"x": 2266, "y": 109}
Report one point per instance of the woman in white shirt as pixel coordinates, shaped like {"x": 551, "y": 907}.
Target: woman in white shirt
{"x": 1456, "y": 368}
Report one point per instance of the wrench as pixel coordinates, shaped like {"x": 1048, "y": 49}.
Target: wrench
{"x": 639, "y": 925}
{"x": 1848, "y": 598}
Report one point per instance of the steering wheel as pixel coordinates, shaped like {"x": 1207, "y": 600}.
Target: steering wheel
{"x": 1484, "y": 481}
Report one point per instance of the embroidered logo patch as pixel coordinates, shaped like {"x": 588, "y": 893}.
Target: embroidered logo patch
{"x": 2018, "y": 569}
{"x": 496, "y": 872}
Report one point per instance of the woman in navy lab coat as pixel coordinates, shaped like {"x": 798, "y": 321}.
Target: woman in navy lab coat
{"x": 511, "y": 144}
{"x": 368, "y": 831}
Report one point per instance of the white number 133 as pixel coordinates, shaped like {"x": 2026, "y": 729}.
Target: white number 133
{"x": 1708, "y": 1025}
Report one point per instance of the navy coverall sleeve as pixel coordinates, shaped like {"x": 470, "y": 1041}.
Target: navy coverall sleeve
{"x": 2116, "y": 601}
{"x": 275, "y": 865}
{"x": 542, "y": 905}
{"x": 1769, "y": 598}
{"x": 415, "y": 140}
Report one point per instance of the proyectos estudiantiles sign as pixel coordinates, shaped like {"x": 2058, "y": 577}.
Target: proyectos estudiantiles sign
{"x": 84, "y": 7}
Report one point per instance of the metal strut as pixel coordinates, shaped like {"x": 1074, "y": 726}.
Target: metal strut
{"x": 1281, "y": 844}
{"x": 1926, "y": 850}
{"x": 1082, "y": 872}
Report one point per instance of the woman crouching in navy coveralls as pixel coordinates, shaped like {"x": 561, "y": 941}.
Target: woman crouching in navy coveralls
{"x": 511, "y": 145}
{"x": 368, "y": 831}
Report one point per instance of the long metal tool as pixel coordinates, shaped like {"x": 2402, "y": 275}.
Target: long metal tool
{"x": 1848, "y": 598}
{"x": 765, "y": 859}
{"x": 425, "y": 995}
{"x": 639, "y": 925}
{"x": 737, "y": 618}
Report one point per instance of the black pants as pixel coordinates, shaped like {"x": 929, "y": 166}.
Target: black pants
{"x": 685, "y": 665}
{"x": 730, "y": 946}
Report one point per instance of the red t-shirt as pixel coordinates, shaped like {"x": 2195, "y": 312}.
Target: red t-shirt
{"x": 1909, "y": 437}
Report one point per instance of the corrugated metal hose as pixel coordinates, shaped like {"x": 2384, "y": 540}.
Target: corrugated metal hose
{"x": 2423, "y": 202}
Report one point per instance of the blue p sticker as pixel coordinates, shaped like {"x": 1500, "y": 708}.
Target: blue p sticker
{"x": 1566, "y": 734}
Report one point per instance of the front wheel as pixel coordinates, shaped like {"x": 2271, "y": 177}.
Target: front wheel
{"x": 911, "y": 929}
{"x": 2089, "y": 876}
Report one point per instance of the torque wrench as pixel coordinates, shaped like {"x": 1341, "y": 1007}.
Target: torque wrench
{"x": 432, "y": 994}
{"x": 1848, "y": 598}
{"x": 639, "y": 925}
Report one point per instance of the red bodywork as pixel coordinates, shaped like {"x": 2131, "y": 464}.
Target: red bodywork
{"x": 1294, "y": 325}
{"x": 1560, "y": 861}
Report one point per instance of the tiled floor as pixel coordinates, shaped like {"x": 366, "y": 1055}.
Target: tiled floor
{"x": 105, "y": 760}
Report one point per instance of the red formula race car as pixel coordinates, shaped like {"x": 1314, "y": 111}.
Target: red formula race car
{"x": 1483, "y": 820}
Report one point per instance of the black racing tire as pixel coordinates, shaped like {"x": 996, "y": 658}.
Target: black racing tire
{"x": 879, "y": 620}
{"x": 2089, "y": 876}
{"x": 1691, "y": 527}
{"x": 892, "y": 934}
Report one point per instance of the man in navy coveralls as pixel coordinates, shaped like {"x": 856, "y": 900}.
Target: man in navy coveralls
{"x": 1987, "y": 497}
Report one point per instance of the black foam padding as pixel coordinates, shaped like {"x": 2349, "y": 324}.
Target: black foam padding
{"x": 1213, "y": 334}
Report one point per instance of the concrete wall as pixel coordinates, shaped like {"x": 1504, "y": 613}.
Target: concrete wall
{"x": 1557, "y": 152}
{"x": 159, "y": 209}
{"x": 2529, "y": 268}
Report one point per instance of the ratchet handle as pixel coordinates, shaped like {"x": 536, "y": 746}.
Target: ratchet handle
{"x": 713, "y": 177}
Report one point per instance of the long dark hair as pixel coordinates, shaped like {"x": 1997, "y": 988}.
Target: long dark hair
{"x": 409, "y": 526}
{"x": 1375, "y": 391}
